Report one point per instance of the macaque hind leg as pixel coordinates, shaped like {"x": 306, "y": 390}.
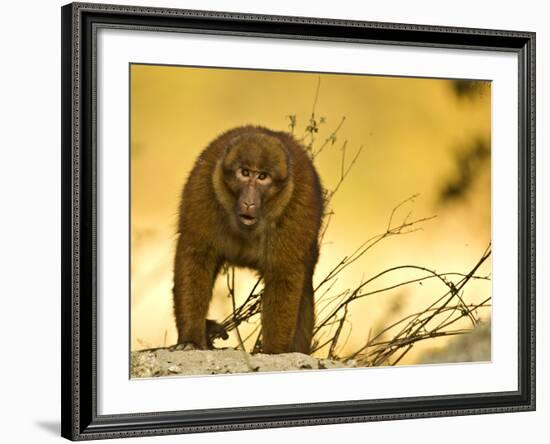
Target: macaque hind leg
{"x": 214, "y": 330}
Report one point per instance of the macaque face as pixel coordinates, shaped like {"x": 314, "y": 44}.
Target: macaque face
{"x": 255, "y": 169}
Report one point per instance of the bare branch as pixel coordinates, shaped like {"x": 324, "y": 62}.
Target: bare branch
{"x": 393, "y": 342}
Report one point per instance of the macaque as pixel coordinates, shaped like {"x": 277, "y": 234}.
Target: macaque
{"x": 253, "y": 199}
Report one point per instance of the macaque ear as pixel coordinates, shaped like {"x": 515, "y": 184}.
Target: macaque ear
{"x": 233, "y": 142}
{"x": 287, "y": 154}
{"x": 282, "y": 146}
{"x": 228, "y": 157}
{"x": 282, "y": 168}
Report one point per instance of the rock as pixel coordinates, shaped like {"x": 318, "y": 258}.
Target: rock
{"x": 170, "y": 362}
{"x": 470, "y": 347}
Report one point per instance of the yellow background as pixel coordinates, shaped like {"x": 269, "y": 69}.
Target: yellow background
{"x": 413, "y": 131}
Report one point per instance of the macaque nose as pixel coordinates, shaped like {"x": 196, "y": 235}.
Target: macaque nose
{"x": 249, "y": 205}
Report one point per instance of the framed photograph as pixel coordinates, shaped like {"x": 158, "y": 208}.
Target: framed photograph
{"x": 275, "y": 221}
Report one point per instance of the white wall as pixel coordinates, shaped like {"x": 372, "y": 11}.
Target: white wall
{"x": 30, "y": 233}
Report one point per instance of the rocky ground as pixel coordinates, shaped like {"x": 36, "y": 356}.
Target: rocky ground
{"x": 165, "y": 362}
{"x": 471, "y": 347}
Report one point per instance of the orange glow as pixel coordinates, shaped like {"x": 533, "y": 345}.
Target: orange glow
{"x": 415, "y": 133}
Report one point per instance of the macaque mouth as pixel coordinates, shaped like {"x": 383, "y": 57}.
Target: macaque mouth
{"x": 247, "y": 219}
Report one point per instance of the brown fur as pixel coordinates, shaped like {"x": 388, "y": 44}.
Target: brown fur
{"x": 281, "y": 244}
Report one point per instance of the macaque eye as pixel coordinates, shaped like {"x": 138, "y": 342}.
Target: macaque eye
{"x": 262, "y": 176}
{"x": 245, "y": 172}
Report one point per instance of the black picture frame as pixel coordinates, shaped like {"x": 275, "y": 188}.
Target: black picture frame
{"x": 79, "y": 385}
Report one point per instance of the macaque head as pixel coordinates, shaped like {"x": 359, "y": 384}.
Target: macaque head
{"x": 255, "y": 169}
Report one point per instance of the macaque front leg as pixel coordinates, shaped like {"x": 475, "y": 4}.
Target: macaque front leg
{"x": 280, "y": 306}
{"x": 194, "y": 274}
